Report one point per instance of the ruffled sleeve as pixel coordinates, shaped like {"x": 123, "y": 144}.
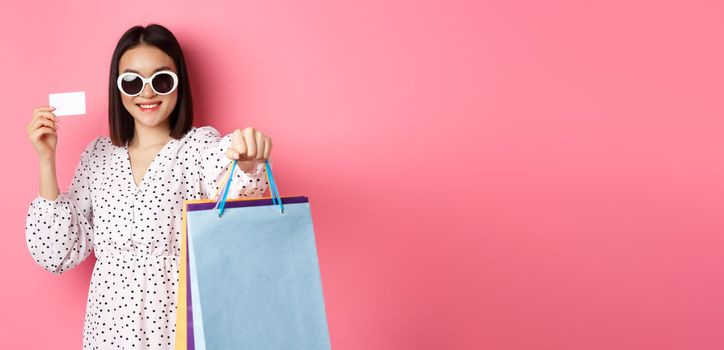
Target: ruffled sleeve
{"x": 59, "y": 233}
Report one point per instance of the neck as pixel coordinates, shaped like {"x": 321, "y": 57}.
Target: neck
{"x": 144, "y": 136}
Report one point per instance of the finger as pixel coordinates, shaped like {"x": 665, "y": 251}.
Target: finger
{"x": 37, "y": 134}
{"x": 38, "y": 123}
{"x": 36, "y": 115}
{"x": 259, "y": 145}
{"x": 250, "y": 142}
{"x": 47, "y": 115}
{"x": 50, "y": 117}
{"x": 237, "y": 143}
{"x": 267, "y": 147}
{"x": 45, "y": 122}
{"x": 45, "y": 108}
{"x": 231, "y": 154}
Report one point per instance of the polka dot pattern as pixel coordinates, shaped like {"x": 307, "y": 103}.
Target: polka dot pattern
{"x": 134, "y": 231}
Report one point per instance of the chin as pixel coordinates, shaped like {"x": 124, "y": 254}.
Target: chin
{"x": 150, "y": 121}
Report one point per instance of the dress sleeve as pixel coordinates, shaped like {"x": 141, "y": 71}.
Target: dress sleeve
{"x": 214, "y": 163}
{"x": 59, "y": 233}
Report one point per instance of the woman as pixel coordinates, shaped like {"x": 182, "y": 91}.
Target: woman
{"x": 125, "y": 199}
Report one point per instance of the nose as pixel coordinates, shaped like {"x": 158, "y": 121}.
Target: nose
{"x": 147, "y": 90}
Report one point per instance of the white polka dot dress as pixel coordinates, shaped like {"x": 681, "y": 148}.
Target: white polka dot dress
{"x": 135, "y": 232}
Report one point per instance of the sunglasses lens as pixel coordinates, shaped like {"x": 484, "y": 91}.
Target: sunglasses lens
{"x": 163, "y": 83}
{"x": 131, "y": 84}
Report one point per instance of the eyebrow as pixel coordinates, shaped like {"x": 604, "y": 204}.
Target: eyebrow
{"x": 157, "y": 69}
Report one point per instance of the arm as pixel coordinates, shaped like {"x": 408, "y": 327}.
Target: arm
{"x": 249, "y": 179}
{"x": 48, "y": 179}
{"x": 59, "y": 232}
{"x": 42, "y": 131}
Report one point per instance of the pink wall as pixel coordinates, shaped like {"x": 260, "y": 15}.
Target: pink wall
{"x": 498, "y": 175}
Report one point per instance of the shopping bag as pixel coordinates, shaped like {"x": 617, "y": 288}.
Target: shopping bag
{"x": 184, "y": 339}
{"x": 253, "y": 273}
{"x": 184, "y": 326}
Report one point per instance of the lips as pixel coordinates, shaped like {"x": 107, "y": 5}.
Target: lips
{"x": 149, "y": 107}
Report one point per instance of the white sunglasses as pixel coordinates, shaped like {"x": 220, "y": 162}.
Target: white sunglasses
{"x": 162, "y": 83}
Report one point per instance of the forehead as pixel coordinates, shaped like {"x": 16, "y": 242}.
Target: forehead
{"x": 145, "y": 60}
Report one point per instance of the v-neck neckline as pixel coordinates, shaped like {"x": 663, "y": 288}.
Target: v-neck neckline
{"x": 151, "y": 166}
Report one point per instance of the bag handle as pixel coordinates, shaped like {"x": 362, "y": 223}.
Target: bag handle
{"x": 229, "y": 178}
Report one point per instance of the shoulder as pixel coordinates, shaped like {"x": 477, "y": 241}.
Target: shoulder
{"x": 202, "y": 136}
{"x": 207, "y": 133}
{"x": 98, "y": 147}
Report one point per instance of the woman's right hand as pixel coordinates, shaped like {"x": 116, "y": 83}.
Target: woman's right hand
{"x": 42, "y": 131}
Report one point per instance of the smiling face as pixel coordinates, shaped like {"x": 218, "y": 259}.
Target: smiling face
{"x": 148, "y": 109}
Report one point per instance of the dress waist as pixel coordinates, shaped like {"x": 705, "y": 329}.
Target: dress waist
{"x": 131, "y": 256}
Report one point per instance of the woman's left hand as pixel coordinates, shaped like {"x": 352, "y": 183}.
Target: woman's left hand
{"x": 249, "y": 146}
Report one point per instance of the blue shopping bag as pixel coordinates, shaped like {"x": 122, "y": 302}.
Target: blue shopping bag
{"x": 254, "y": 274}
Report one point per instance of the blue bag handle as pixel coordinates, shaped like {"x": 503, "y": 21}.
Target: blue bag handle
{"x": 276, "y": 198}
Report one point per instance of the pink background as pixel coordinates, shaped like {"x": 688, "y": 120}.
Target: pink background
{"x": 483, "y": 175}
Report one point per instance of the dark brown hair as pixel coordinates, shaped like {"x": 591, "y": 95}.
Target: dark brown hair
{"x": 119, "y": 120}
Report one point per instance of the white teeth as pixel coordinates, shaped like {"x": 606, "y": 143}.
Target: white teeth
{"x": 149, "y": 106}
